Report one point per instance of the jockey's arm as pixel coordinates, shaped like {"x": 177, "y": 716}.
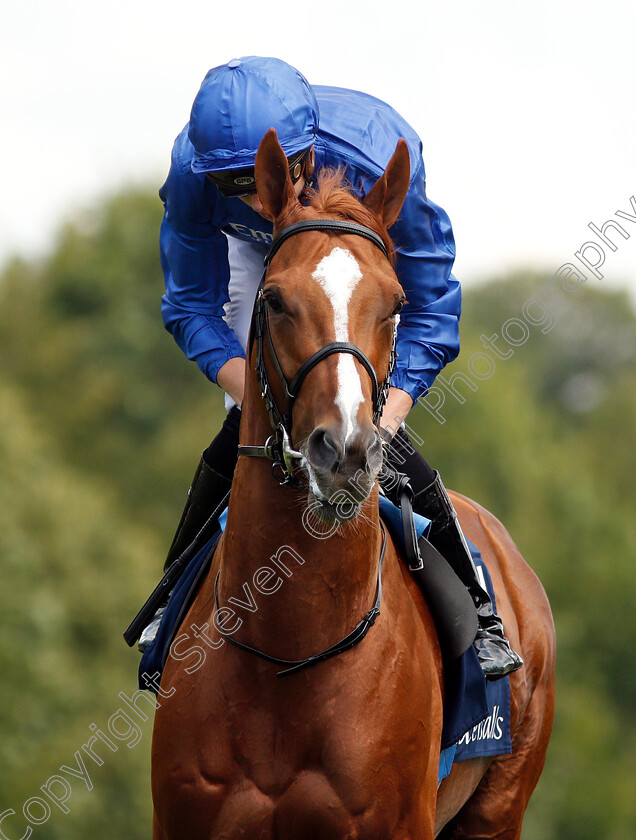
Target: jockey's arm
{"x": 428, "y": 331}
{"x": 397, "y": 406}
{"x": 194, "y": 259}
{"x": 231, "y": 378}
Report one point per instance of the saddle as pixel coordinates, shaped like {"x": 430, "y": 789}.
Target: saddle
{"x": 448, "y": 599}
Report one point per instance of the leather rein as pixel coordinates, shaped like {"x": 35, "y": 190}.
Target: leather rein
{"x": 350, "y": 640}
{"x": 278, "y": 446}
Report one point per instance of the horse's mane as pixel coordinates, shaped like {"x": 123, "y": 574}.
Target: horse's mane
{"x": 334, "y": 198}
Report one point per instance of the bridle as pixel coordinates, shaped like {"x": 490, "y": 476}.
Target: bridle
{"x": 278, "y": 447}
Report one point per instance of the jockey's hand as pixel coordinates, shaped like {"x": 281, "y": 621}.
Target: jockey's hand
{"x": 398, "y": 405}
{"x": 231, "y": 377}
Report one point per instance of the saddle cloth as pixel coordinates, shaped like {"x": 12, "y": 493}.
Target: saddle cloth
{"x": 476, "y": 710}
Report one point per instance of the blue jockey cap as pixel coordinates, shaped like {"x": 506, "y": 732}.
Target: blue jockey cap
{"x": 239, "y": 102}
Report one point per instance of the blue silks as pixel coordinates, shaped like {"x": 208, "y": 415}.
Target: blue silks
{"x": 355, "y": 131}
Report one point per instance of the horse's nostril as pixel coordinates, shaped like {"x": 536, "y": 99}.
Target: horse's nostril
{"x": 365, "y": 451}
{"x": 324, "y": 450}
{"x": 374, "y": 453}
{"x": 327, "y": 453}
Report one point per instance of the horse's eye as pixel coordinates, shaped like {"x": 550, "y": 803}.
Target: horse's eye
{"x": 275, "y": 304}
{"x": 399, "y": 306}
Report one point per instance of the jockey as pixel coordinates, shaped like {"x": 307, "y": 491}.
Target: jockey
{"x": 214, "y": 238}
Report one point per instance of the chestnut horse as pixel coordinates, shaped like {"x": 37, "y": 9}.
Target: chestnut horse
{"x": 349, "y": 747}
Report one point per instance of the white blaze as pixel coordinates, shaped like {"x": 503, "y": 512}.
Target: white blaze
{"x": 338, "y": 274}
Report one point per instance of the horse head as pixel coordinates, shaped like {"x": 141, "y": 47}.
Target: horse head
{"x": 330, "y": 307}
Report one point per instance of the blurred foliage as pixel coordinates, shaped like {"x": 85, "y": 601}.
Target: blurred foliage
{"x": 102, "y": 422}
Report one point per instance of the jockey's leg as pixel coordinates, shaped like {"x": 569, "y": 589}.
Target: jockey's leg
{"x": 214, "y": 474}
{"x": 211, "y": 483}
{"x": 431, "y": 500}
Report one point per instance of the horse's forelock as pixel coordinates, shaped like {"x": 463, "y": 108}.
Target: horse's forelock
{"x": 334, "y": 198}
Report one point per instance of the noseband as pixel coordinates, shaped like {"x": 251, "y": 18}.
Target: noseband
{"x": 278, "y": 446}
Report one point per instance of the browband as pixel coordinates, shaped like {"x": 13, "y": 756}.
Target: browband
{"x": 337, "y": 225}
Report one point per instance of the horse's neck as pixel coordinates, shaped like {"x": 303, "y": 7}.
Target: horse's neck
{"x": 303, "y": 590}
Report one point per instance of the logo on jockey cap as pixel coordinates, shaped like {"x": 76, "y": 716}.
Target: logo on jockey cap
{"x": 244, "y": 181}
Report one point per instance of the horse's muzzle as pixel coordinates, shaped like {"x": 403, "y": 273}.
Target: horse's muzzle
{"x": 341, "y": 474}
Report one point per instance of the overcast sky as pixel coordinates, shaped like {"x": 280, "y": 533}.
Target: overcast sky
{"x": 526, "y": 110}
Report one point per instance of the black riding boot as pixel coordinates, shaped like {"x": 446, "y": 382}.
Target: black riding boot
{"x": 495, "y": 655}
{"x": 207, "y": 491}
{"x": 209, "y": 488}
{"x": 210, "y": 485}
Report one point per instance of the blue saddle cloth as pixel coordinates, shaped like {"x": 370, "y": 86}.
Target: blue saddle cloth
{"x": 476, "y": 710}
{"x": 154, "y": 657}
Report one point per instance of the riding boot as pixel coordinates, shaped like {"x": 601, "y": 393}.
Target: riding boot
{"x": 495, "y": 655}
{"x": 207, "y": 491}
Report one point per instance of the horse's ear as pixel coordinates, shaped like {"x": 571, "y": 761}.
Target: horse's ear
{"x": 273, "y": 182}
{"x": 387, "y": 195}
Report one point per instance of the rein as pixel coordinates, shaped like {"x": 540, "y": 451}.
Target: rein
{"x": 350, "y": 640}
{"x": 278, "y": 447}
